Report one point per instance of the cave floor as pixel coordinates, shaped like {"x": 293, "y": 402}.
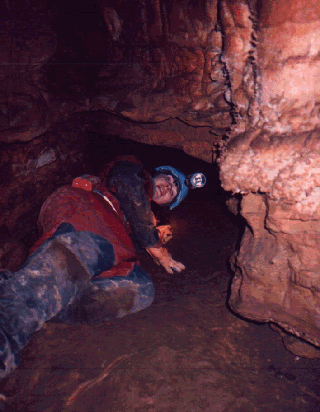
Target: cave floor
{"x": 187, "y": 352}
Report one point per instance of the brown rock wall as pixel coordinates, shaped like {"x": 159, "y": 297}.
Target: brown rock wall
{"x": 237, "y": 22}
{"x": 30, "y": 172}
{"x": 277, "y": 266}
{"x": 276, "y": 269}
{"x": 147, "y": 62}
{"x": 28, "y": 42}
{"x": 195, "y": 141}
{"x": 175, "y": 69}
{"x": 274, "y": 164}
{"x": 289, "y": 65}
{"x": 284, "y": 166}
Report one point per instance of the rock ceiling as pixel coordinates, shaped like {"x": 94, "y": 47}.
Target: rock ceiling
{"x": 146, "y": 62}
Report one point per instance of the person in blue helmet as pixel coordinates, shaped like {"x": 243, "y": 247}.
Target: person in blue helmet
{"x": 137, "y": 189}
{"x": 85, "y": 265}
{"x": 180, "y": 180}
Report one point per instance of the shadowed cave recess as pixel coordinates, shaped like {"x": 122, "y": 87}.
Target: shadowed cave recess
{"x": 228, "y": 88}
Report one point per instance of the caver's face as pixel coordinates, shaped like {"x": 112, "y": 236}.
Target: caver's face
{"x": 165, "y": 189}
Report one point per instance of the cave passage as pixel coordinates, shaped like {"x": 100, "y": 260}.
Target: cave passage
{"x": 234, "y": 82}
{"x": 187, "y": 351}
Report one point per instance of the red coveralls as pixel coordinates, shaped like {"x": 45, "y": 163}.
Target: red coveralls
{"x": 84, "y": 267}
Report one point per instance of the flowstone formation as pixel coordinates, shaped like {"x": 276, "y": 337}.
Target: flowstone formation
{"x": 274, "y": 164}
{"x": 234, "y": 80}
{"x": 277, "y": 266}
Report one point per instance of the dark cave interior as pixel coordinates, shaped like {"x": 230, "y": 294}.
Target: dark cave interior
{"x": 207, "y": 78}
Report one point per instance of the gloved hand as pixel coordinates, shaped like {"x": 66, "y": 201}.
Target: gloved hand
{"x": 165, "y": 233}
{"x": 162, "y": 257}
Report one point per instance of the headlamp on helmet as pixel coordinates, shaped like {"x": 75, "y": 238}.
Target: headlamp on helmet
{"x": 193, "y": 181}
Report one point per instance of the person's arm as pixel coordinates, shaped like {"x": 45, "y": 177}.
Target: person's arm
{"x": 128, "y": 181}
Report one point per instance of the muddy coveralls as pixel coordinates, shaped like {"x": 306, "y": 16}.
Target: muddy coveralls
{"x": 85, "y": 266}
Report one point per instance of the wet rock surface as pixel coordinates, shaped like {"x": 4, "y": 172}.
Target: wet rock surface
{"x": 187, "y": 352}
{"x": 279, "y": 252}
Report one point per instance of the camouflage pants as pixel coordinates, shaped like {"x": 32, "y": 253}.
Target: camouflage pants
{"x": 58, "y": 280}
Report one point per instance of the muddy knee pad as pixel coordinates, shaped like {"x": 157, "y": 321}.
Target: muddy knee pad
{"x": 110, "y": 298}
{"x": 129, "y": 294}
{"x": 144, "y": 286}
{"x": 94, "y": 252}
{"x": 9, "y": 358}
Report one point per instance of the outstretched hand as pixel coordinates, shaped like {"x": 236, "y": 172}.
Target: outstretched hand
{"x": 162, "y": 257}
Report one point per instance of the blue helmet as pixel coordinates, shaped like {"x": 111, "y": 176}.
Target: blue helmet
{"x": 184, "y": 182}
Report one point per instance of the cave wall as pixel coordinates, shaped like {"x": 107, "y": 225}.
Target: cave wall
{"x": 31, "y": 171}
{"x": 274, "y": 164}
{"x": 147, "y": 62}
{"x": 233, "y": 81}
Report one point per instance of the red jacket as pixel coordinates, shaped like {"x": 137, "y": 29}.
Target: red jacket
{"x": 87, "y": 210}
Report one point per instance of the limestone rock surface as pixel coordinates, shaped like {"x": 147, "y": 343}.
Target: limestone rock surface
{"x": 274, "y": 164}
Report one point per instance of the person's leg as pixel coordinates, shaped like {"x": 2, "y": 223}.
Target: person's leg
{"x": 109, "y": 298}
{"x": 48, "y": 282}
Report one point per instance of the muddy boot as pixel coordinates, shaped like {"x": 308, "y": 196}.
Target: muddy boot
{"x": 110, "y": 298}
{"x": 47, "y": 283}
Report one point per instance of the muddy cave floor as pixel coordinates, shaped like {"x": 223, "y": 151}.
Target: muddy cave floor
{"x": 187, "y": 352}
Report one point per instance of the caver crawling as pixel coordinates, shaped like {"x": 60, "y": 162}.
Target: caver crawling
{"x": 85, "y": 266}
